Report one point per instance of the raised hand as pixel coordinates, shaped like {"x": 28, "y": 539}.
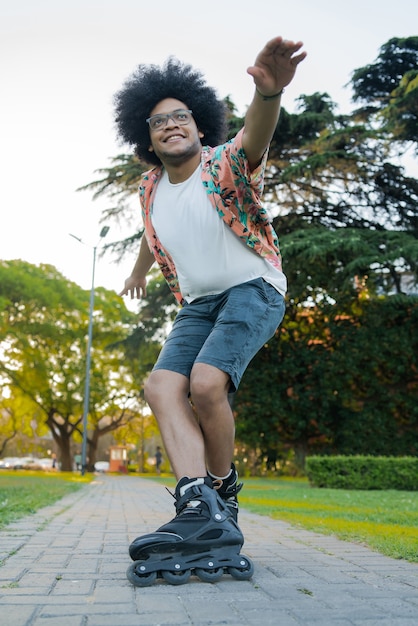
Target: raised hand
{"x": 276, "y": 65}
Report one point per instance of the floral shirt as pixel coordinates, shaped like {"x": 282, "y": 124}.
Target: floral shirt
{"x": 235, "y": 193}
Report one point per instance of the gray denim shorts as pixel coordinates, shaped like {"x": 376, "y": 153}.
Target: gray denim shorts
{"x": 225, "y": 330}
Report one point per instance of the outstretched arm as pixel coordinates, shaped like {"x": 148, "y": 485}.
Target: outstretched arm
{"x": 274, "y": 68}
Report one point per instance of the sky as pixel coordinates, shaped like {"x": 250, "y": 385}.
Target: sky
{"x": 61, "y": 61}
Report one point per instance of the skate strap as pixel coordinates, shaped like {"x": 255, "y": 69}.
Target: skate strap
{"x": 195, "y": 492}
{"x": 191, "y": 498}
{"x": 227, "y": 490}
{"x": 193, "y": 483}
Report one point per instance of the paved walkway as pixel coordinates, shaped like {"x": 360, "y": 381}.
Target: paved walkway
{"x": 65, "y": 566}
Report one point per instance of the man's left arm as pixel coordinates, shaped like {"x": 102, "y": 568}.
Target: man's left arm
{"x": 273, "y": 70}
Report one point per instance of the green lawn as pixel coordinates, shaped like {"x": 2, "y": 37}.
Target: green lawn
{"x": 386, "y": 521}
{"x": 23, "y": 493}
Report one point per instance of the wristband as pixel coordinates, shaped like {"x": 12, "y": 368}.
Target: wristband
{"x": 273, "y": 97}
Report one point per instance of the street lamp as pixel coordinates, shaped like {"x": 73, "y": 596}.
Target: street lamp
{"x": 103, "y": 233}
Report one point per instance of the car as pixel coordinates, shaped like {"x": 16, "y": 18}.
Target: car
{"x": 23, "y": 461}
{"x": 101, "y": 466}
{"x": 46, "y": 464}
{"x": 39, "y": 464}
{"x": 8, "y": 462}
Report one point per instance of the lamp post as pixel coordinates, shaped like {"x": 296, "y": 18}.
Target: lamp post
{"x": 86, "y": 404}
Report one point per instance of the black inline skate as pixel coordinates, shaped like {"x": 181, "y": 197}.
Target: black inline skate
{"x": 228, "y": 489}
{"x": 203, "y": 539}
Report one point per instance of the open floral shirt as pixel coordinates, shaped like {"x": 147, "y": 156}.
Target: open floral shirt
{"x": 235, "y": 193}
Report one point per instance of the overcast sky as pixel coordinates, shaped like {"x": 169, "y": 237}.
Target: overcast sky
{"x": 62, "y": 61}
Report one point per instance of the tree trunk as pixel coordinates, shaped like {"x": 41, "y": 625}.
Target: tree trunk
{"x": 92, "y": 449}
{"x": 301, "y": 451}
{"x": 63, "y": 440}
{"x": 66, "y": 456}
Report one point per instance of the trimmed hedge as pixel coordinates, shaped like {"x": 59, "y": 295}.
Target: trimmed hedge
{"x": 363, "y": 472}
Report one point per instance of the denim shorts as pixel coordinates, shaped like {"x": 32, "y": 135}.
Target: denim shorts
{"x": 225, "y": 330}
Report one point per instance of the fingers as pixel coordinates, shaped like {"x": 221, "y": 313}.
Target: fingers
{"x": 298, "y": 58}
{"x": 135, "y": 291}
{"x": 275, "y": 65}
{"x": 279, "y": 47}
{"x": 282, "y": 46}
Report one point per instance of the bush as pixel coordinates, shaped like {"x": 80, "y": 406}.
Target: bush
{"x": 363, "y": 472}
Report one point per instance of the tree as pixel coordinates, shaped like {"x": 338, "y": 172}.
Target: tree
{"x": 374, "y": 83}
{"x": 43, "y": 328}
{"x": 389, "y": 89}
{"x": 15, "y": 418}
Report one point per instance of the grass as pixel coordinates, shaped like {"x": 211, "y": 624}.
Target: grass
{"x": 385, "y": 521}
{"x": 23, "y": 493}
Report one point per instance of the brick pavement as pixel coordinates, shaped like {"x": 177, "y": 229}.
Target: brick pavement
{"x": 65, "y": 566}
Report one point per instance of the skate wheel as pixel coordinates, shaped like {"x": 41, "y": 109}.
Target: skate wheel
{"x": 176, "y": 578}
{"x": 209, "y": 575}
{"x": 138, "y": 579}
{"x": 242, "y": 573}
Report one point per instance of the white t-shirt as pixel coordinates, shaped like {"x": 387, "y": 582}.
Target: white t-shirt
{"x": 208, "y": 256}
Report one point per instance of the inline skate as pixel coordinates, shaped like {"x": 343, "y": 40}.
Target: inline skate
{"x": 202, "y": 539}
{"x": 228, "y": 489}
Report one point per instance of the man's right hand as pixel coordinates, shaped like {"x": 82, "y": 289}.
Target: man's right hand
{"x": 135, "y": 287}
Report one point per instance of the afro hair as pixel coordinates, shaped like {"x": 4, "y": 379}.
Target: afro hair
{"x": 148, "y": 85}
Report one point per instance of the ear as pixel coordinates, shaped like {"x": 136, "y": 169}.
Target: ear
{"x": 150, "y": 148}
{"x": 201, "y": 135}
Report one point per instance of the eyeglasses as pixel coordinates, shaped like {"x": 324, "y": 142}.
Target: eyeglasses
{"x": 180, "y": 117}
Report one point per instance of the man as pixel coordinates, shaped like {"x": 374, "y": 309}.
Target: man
{"x": 158, "y": 459}
{"x": 205, "y": 226}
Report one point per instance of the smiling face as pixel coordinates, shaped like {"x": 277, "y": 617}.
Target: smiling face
{"x": 174, "y": 144}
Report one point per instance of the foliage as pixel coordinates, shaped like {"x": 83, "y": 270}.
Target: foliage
{"x": 336, "y": 262}
{"x": 335, "y": 379}
{"x": 343, "y": 178}
{"x": 374, "y": 82}
{"x": 43, "y": 328}
{"x": 16, "y": 418}
{"x": 389, "y": 87}
{"x": 402, "y": 111}
{"x": 363, "y": 472}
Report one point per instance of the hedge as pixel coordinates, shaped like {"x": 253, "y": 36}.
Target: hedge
{"x": 363, "y": 472}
